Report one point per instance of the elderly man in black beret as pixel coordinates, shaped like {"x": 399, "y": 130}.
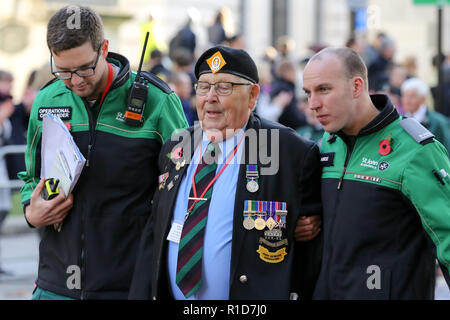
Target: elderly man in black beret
{"x": 238, "y": 207}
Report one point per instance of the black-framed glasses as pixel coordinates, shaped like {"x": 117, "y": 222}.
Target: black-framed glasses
{"x": 223, "y": 88}
{"x": 81, "y": 72}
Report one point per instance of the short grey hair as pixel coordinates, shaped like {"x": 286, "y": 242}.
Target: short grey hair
{"x": 420, "y": 87}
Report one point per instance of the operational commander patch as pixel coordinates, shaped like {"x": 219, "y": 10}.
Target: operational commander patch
{"x": 64, "y": 113}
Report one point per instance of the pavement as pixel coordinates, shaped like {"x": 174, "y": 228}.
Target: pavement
{"x": 19, "y": 256}
{"x": 19, "y": 253}
{"x": 15, "y": 225}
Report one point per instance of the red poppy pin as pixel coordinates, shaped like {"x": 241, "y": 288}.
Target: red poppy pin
{"x": 176, "y": 154}
{"x": 385, "y": 146}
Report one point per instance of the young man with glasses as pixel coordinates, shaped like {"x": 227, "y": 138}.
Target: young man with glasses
{"x": 93, "y": 254}
{"x": 222, "y": 225}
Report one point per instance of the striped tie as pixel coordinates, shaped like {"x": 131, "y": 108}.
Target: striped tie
{"x": 190, "y": 249}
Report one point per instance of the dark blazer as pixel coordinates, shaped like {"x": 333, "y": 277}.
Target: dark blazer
{"x": 297, "y": 183}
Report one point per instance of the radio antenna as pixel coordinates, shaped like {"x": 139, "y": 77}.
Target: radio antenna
{"x": 138, "y": 76}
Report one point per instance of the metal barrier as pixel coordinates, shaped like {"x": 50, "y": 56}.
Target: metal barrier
{"x": 17, "y": 148}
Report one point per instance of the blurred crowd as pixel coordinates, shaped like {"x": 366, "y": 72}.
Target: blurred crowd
{"x": 281, "y": 98}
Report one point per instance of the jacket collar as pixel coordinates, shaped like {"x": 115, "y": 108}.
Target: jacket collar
{"x": 123, "y": 64}
{"x": 387, "y": 115}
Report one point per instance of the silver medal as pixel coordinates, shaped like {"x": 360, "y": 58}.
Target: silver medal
{"x": 249, "y": 223}
{"x": 252, "y": 186}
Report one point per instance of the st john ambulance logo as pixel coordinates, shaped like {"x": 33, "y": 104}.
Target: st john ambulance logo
{"x": 383, "y": 166}
{"x": 120, "y": 117}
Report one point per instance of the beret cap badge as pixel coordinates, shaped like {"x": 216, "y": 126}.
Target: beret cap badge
{"x": 227, "y": 60}
{"x": 216, "y": 62}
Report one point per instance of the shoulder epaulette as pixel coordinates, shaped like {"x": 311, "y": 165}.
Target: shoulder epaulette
{"x": 157, "y": 82}
{"x": 417, "y": 131}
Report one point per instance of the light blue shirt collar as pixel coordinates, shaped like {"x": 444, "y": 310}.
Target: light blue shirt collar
{"x": 226, "y": 146}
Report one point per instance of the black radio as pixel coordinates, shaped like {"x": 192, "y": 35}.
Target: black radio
{"x": 137, "y": 97}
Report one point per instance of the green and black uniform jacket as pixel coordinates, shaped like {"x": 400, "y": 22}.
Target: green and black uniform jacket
{"x": 112, "y": 198}
{"x": 386, "y": 214}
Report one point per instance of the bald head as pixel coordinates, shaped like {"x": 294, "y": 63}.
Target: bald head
{"x": 351, "y": 62}
{"x": 335, "y": 81}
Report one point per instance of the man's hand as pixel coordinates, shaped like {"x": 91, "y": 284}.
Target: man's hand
{"x": 42, "y": 212}
{"x": 307, "y": 228}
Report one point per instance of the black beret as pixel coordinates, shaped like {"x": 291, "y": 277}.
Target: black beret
{"x": 227, "y": 60}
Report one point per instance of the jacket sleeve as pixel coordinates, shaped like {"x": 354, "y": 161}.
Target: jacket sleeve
{"x": 141, "y": 283}
{"x": 426, "y": 182}
{"x": 309, "y": 254}
{"x": 309, "y": 183}
{"x": 31, "y": 176}
{"x": 171, "y": 116}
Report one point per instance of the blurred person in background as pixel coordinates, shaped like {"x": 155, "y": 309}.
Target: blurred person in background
{"x": 149, "y": 25}
{"x": 356, "y": 44}
{"x": 270, "y": 56}
{"x": 6, "y": 110}
{"x": 156, "y": 65}
{"x": 285, "y": 81}
{"x": 183, "y": 61}
{"x": 267, "y": 107}
{"x": 414, "y": 95}
{"x": 184, "y": 38}
{"x": 216, "y": 32}
{"x": 378, "y": 69}
{"x": 285, "y": 45}
{"x": 271, "y": 109}
{"x": 371, "y": 50}
{"x": 19, "y": 122}
{"x": 397, "y": 75}
{"x": 446, "y": 71}
{"x": 236, "y": 42}
{"x": 313, "y": 130}
{"x": 21, "y": 116}
{"x": 181, "y": 84}
{"x": 410, "y": 63}
{"x": 444, "y": 105}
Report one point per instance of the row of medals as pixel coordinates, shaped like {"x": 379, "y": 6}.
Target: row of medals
{"x": 259, "y": 223}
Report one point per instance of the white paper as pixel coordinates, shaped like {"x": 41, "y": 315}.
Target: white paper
{"x": 60, "y": 157}
{"x": 175, "y": 232}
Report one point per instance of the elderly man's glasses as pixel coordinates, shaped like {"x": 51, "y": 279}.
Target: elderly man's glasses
{"x": 222, "y": 88}
{"x": 81, "y": 72}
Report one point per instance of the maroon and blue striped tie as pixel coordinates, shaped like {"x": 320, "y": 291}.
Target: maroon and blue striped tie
{"x": 190, "y": 249}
